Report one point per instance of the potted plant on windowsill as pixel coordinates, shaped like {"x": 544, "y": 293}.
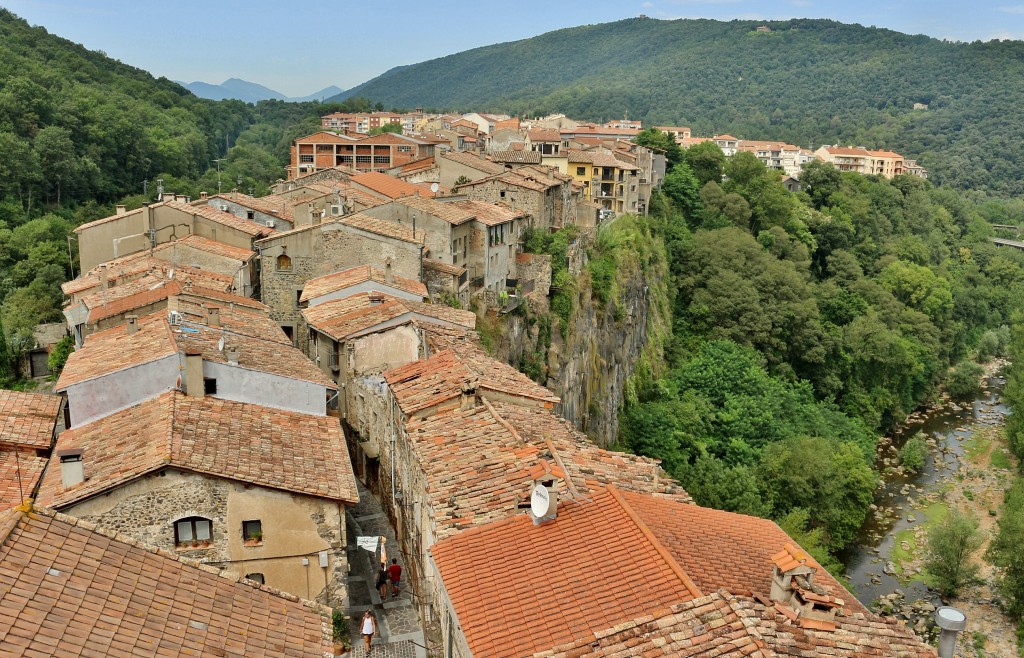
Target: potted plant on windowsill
{"x": 255, "y": 539}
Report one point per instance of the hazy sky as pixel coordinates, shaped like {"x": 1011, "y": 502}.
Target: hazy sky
{"x": 300, "y": 47}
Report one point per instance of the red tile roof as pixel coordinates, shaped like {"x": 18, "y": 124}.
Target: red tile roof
{"x": 268, "y": 205}
{"x": 224, "y": 219}
{"x": 439, "y": 266}
{"x": 200, "y": 243}
{"x": 445, "y": 211}
{"x": 20, "y": 471}
{"x": 324, "y": 285}
{"x": 725, "y": 550}
{"x": 488, "y": 214}
{"x": 232, "y": 440}
{"x": 72, "y": 590}
{"x": 28, "y": 419}
{"x": 389, "y": 186}
{"x": 516, "y": 156}
{"x": 474, "y": 161}
{"x": 324, "y": 137}
{"x": 729, "y": 626}
{"x": 114, "y": 349}
{"x": 585, "y": 571}
{"x": 342, "y": 319}
{"x": 382, "y": 227}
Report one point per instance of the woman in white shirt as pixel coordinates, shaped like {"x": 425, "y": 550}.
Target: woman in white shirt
{"x": 368, "y": 627}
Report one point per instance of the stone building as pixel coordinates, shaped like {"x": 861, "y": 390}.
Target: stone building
{"x": 233, "y": 353}
{"x": 255, "y": 491}
{"x": 128, "y": 232}
{"x": 269, "y": 211}
{"x": 289, "y": 260}
{"x": 546, "y": 195}
{"x": 72, "y": 589}
{"x": 460, "y": 165}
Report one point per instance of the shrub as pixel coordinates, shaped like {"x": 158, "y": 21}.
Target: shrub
{"x": 963, "y": 381}
{"x": 913, "y": 454}
{"x": 950, "y": 547}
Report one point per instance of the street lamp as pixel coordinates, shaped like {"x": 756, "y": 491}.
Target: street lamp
{"x": 218, "y": 161}
{"x": 71, "y": 260}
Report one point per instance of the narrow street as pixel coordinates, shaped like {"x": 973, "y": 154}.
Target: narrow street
{"x": 401, "y": 635}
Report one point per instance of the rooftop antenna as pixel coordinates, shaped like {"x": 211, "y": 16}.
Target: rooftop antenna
{"x": 218, "y": 161}
{"x": 159, "y": 189}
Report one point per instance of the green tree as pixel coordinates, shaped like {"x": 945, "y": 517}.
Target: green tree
{"x": 951, "y": 544}
{"x": 1006, "y": 551}
{"x": 681, "y": 187}
{"x": 830, "y": 479}
{"x": 820, "y": 180}
{"x": 913, "y": 453}
{"x": 60, "y": 353}
{"x": 963, "y": 380}
{"x": 394, "y": 128}
{"x": 662, "y": 142}
{"x": 7, "y": 373}
{"x": 707, "y": 161}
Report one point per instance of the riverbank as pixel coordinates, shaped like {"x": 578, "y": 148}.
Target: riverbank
{"x": 969, "y": 468}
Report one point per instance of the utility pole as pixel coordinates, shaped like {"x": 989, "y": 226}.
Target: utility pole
{"x": 218, "y": 161}
{"x": 71, "y": 260}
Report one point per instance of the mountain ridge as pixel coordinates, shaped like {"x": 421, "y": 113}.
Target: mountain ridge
{"x": 805, "y": 81}
{"x": 251, "y": 92}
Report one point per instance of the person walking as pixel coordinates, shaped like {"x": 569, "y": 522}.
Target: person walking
{"x": 368, "y": 628}
{"x": 382, "y": 581}
{"x": 395, "y": 574}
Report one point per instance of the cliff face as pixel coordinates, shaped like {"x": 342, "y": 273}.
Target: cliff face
{"x": 610, "y": 331}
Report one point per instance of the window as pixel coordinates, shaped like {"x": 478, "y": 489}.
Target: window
{"x": 324, "y": 148}
{"x": 209, "y": 386}
{"x": 252, "y": 531}
{"x": 250, "y": 214}
{"x": 306, "y": 159}
{"x": 364, "y": 158}
{"x": 382, "y": 159}
{"x": 405, "y": 149}
{"x": 581, "y": 171}
{"x": 284, "y": 262}
{"x": 194, "y": 532}
{"x": 289, "y": 331}
{"x": 298, "y": 296}
{"x": 258, "y": 577}
{"x": 503, "y": 194}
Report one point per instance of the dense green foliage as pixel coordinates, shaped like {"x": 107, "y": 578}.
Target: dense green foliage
{"x": 1006, "y": 552}
{"x": 806, "y": 82}
{"x": 951, "y": 546}
{"x": 805, "y": 324}
{"x": 964, "y": 379}
{"x": 913, "y": 453}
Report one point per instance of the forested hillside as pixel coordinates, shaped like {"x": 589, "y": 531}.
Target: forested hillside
{"x": 804, "y": 325}
{"x": 80, "y": 131}
{"x": 806, "y": 82}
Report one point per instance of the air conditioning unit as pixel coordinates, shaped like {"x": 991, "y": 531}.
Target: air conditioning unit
{"x": 175, "y": 318}
{"x": 270, "y": 223}
{"x": 335, "y": 210}
{"x": 223, "y": 208}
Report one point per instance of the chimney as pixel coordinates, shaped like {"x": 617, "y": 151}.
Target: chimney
{"x": 544, "y": 495}
{"x": 389, "y": 277}
{"x": 103, "y": 276}
{"x": 167, "y": 196}
{"x": 951, "y": 622}
{"x": 213, "y": 316}
{"x": 793, "y": 586}
{"x": 181, "y": 198}
{"x": 120, "y": 209}
{"x": 468, "y": 398}
{"x": 232, "y": 354}
{"x": 194, "y": 386}
{"x": 133, "y": 323}
{"x": 72, "y": 468}
{"x": 203, "y": 195}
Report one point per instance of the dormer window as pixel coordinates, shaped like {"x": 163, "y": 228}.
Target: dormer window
{"x": 193, "y": 532}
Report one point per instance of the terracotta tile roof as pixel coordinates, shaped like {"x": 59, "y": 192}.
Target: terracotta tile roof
{"x": 729, "y": 626}
{"x": 544, "y": 135}
{"x": 516, "y": 157}
{"x": 346, "y": 278}
{"x": 225, "y": 219}
{"x": 114, "y": 349}
{"x": 587, "y": 465}
{"x": 417, "y": 165}
{"x": 269, "y": 205}
{"x": 125, "y": 267}
{"x": 111, "y": 218}
{"x": 726, "y": 138}
{"x": 383, "y": 227}
{"x": 581, "y": 573}
{"x": 209, "y": 246}
{"x": 474, "y": 162}
{"x": 342, "y": 319}
{"x": 725, "y": 550}
{"x": 447, "y": 268}
{"x": 136, "y": 294}
{"x": 496, "y": 375}
{"x": 324, "y": 137}
{"x": 389, "y": 186}
{"x": 428, "y": 382}
{"x": 207, "y": 295}
{"x": 445, "y": 211}
{"x": 71, "y": 590}
{"x": 20, "y": 471}
{"x": 233, "y": 440}
{"x": 535, "y": 182}
{"x": 28, "y": 419}
{"x": 488, "y": 214}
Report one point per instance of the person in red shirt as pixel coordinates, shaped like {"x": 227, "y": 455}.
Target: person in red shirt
{"x": 395, "y": 574}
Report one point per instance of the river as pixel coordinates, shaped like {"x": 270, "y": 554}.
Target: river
{"x": 950, "y": 426}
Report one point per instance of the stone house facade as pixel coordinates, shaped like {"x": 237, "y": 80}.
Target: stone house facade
{"x": 289, "y": 260}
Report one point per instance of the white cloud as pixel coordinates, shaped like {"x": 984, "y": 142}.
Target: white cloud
{"x": 1012, "y": 9}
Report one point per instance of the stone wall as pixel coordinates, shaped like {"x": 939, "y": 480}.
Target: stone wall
{"x": 294, "y": 526}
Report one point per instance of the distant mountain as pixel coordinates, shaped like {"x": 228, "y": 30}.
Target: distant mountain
{"x": 803, "y": 81}
{"x": 250, "y": 92}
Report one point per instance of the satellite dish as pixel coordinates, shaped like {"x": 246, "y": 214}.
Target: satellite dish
{"x": 540, "y": 501}
{"x": 220, "y": 344}
{"x": 434, "y": 187}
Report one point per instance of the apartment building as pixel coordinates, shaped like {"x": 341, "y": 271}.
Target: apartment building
{"x": 381, "y": 152}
